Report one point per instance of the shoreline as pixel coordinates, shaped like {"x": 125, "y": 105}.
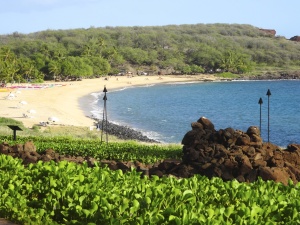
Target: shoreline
{"x": 69, "y": 101}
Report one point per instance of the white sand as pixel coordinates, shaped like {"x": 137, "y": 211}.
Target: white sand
{"x": 63, "y": 101}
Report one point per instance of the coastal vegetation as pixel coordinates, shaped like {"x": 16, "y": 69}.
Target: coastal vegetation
{"x": 118, "y": 134}
{"x": 173, "y": 49}
{"x": 122, "y": 151}
{"x": 69, "y": 193}
{"x": 74, "y": 132}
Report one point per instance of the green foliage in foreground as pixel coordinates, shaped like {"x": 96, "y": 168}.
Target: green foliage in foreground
{"x": 124, "y": 151}
{"x": 66, "y": 193}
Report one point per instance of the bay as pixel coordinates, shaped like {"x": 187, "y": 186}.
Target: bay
{"x": 165, "y": 112}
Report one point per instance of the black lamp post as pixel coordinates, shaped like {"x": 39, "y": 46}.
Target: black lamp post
{"x": 104, "y": 116}
{"x": 260, "y": 102}
{"x": 268, "y": 94}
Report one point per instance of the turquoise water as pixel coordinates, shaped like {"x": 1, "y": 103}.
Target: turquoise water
{"x": 165, "y": 112}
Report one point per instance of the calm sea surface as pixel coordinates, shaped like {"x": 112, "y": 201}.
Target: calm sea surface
{"x": 165, "y": 112}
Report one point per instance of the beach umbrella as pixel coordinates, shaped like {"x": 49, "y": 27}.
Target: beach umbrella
{"x": 53, "y": 119}
{"x": 10, "y": 96}
{"x": 32, "y": 111}
{"x": 23, "y": 102}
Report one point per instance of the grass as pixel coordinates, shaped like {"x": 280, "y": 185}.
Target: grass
{"x": 264, "y": 69}
{"x": 53, "y": 131}
{"x": 76, "y": 132}
{"x": 228, "y": 75}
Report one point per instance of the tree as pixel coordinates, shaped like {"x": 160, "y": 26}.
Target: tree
{"x": 99, "y": 65}
{"x": 87, "y": 51}
{"x": 27, "y": 69}
{"x": 236, "y": 62}
{"x": 135, "y": 56}
{"x": 186, "y": 69}
{"x": 93, "y": 48}
{"x": 39, "y": 61}
{"x": 9, "y": 65}
{"x": 45, "y": 51}
{"x": 67, "y": 68}
{"x": 54, "y": 68}
{"x": 204, "y": 56}
{"x": 195, "y": 69}
{"x": 76, "y": 67}
{"x": 234, "y": 48}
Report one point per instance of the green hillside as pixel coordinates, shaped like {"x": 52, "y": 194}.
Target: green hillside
{"x": 172, "y": 49}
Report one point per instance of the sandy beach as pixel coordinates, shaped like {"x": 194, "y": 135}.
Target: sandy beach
{"x": 65, "y": 100}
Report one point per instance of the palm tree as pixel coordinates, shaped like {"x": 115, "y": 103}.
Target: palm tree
{"x": 58, "y": 55}
{"x": 100, "y": 43}
{"x": 54, "y": 68}
{"x": 45, "y": 51}
{"x": 228, "y": 61}
{"x": 12, "y": 68}
{"x": 7, "y": 54}
{"x": 10, "y": 64}
{"x": 87, "y": 51}
{"x": 28, "y": 70}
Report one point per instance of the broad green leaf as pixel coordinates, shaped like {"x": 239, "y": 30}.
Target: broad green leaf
{"x": 124, "y": 206}
{"x": 175, "y": 219}
{"x": 228, "y": 211}
{"x": 81, "y": 178}
{"x": 187, "y": 194}
{"x": 81, "y": 198}
{"x": 148, "y": 200}
{"x": 210, "y": 212}
{"x": 11, "y": 187}
{"x": 57, "y": 194}
{"x": 94, "y": 207}
{"x": 78, "y": 207}
{"x": 255, "y": 210}
{"x": 52, "y": 182}
{"x": 137, "y": 196}
{"x": 168, "y": 211}
{"x": 185, "y": 219}
{"x": 81, "y": 189}
{"x": 281, "y": 198}
{"x": 202, "y": 218}
{"x": 135, "y": 203}
{"x": 221, "y": 210}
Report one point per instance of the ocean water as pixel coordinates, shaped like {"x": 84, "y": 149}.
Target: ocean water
{"x": 165, "y": 112}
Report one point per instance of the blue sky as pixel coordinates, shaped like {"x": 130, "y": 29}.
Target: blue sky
{"x": 26, "y": 16}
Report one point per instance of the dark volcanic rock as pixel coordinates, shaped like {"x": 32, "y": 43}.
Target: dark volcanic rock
{"x": 279, "y": 75}
{"x": 232, "y": 154}
{"x": 123, "y": 132}
{"x": 295, "y": 38}
{"x": 225, "y": 153}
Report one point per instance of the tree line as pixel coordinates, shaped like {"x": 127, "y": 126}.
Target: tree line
{"x": 184, "y": 49}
